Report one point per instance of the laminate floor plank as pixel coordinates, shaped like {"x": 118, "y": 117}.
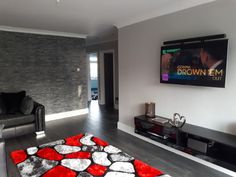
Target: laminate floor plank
{"x": 102, "y": 122}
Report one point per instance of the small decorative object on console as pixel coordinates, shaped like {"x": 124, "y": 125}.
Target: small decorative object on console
{"x": 150, "y": 109}
{"x": 178, "y": 120}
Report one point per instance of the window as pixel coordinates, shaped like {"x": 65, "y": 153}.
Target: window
{"x": 93, "y": 67}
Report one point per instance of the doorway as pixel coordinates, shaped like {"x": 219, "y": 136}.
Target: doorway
{"x": 102, "y": 78}
{"x": 102, "y": 82}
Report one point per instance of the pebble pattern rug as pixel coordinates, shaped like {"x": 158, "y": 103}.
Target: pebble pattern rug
{"x": 83, "y": 155}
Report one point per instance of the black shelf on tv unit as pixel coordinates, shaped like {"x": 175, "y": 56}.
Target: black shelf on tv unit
{"x": 210, "y": 145}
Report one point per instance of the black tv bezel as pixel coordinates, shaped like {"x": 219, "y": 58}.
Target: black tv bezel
{"x": 192, "y": 46}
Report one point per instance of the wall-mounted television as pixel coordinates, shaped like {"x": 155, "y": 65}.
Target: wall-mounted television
{"x": 198, "y": 63}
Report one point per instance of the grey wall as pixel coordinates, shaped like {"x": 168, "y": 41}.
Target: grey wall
{"x": 46, "y": 67}
{"x": 139, "y": 68}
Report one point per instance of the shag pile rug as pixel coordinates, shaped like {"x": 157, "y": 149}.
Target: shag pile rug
{"x": 83, "y": 155}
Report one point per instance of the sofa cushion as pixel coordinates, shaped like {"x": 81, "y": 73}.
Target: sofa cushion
{"x": 12, "y": 120}
{"x": 13, "y": 101}
{"x": 2, "y": 106}
{"x": 27, "y": 105}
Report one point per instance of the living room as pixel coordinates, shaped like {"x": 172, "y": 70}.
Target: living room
{"x": 44, "y": 74}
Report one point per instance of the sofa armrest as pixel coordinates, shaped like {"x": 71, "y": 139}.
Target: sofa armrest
{"x": 1, "y": 129}
{"x": 3, "y": 165}
{"x": 39, "y": 112}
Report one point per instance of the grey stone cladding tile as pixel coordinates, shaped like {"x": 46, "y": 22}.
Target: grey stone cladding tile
{"x": 46, "y": 67}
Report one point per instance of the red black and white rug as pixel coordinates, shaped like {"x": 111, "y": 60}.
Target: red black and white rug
{"x": 83, "y": 155}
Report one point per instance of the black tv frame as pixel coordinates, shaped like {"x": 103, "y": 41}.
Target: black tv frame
{"x": 189, "y": 42}
{"x": 195, "y": 39}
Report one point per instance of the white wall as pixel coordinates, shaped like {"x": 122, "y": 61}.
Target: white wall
{"x": 139, "y": 68}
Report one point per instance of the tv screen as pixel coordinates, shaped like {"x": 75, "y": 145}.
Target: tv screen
{"x": 202, "y": 63}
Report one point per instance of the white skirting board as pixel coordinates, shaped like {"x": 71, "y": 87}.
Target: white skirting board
{"x": 130, "y": 130}
{"x": 68, "y": 114}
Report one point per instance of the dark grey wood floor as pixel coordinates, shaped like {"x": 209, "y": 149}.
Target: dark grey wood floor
{"x": 102, "y": 123}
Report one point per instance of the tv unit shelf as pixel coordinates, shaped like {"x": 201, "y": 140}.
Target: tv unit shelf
{"x": 210, "y": 145}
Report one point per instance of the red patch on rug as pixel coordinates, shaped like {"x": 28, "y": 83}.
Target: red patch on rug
{"x": 100, "y": 142}
{"x": 75, "y": 157}
{"x": 145, "y": 170}
{"x": 49, "y": 154}
{"x": 97, "y": 170}
{"x": 78, "y": 155}
{"x": 74, "y": 140}
{"x": 18, "y": 156}
{"x": 60, "y": 171}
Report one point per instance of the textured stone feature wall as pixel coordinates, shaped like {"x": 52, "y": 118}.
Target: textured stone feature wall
{"x": 46, "y": 67}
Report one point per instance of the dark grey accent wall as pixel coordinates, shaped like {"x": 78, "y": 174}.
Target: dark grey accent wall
{"x": 46, "y": 67}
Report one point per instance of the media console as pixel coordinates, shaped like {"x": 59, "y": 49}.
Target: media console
{"x": 210, "y": 145}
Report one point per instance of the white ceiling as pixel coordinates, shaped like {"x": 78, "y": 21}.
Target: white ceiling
{"x": 88, "y": 17}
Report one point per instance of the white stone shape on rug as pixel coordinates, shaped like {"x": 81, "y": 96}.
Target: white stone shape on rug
{"x": 32, "y": 150}
{"x": 123, "y": 167}
{"x": 65, "y": 149}
{"x": 76, "y": 164}
{"x": 165, "y": 176}
{"x": 86, "y": 140}
{"x": 92, "y": 148}
{"x": 121, "y": 157}
{"x": 119, "y": 174}
{"x": 101, "y": 158}
{"x": 84, "y": 174}
{"x": 111, "y": 149}
{"x": 51, "y": 144}
{"x": 35, "y": 166}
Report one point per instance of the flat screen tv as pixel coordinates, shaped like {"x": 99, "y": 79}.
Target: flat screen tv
{"x": 201, "y": 63}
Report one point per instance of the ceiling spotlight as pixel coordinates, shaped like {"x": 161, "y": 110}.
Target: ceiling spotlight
{"x": 58, "y": 1}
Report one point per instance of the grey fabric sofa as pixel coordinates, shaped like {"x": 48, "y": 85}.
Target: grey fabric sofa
{"x": 17, "y": 124}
